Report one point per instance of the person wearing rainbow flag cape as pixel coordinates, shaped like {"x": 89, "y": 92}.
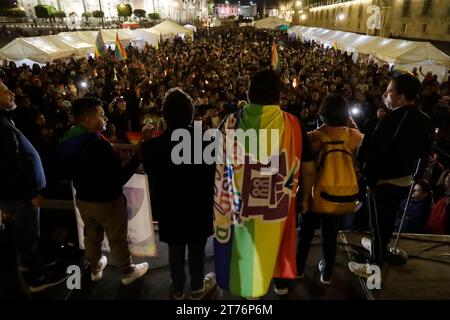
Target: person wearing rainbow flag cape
{"x": 255, "y": 199}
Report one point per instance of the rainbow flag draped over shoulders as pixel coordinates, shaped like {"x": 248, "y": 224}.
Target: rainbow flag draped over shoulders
{"x": 255, "y": 211}
{"x": 100, "y": 47}
{"x": 119, "y": 51}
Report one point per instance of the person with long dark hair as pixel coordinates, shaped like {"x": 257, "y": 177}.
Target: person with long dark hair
{"x": 338, "y": 128}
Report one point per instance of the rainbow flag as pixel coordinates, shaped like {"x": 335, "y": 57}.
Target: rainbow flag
{"x": 119, "y": 51}
{"x": 100, "y": 47}
{"x": 255, "y": 211}
{"x": 274, "y": 56}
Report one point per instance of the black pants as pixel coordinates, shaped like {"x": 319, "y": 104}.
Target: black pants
{"x": 382, "y": 217}
{"x": 329, "y": 225}
{"x": 196, "y": 254}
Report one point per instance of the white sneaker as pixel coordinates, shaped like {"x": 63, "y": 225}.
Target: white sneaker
{"x": 139, "y": 271}
{"x": 102, "y": 265}
{"x": 360, "y": 269}
{"x": 367, "y": 244}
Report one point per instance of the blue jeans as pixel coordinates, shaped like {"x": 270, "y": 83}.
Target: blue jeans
{"x": 23, "y": 224}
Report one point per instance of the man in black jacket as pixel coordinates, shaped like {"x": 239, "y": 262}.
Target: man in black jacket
{"x": 185, "y": 211}
{"x": 390, "y": 159}
{"x": 98, "y": 178}
{"x": 22, "y": 181}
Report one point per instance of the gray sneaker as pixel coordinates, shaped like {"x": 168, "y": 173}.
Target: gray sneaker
{"x": 209, "y": 288}
{"x": 360, "y": 269}
{"x": 139, "y": 271}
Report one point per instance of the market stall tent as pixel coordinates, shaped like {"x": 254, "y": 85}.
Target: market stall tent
{"x": 145, "y": 36}
{"x": 40, "y": 49}
{"x": 404, "y": 54}
{"x": 270, "y": 23}
{"x": 169, "y": 29}
{"x": 130, "y": 25}
{"x": 73, "y": 40}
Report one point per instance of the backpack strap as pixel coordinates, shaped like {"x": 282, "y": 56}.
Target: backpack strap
{"x": 329, "y": 143}
{"x": 326, "y": 139}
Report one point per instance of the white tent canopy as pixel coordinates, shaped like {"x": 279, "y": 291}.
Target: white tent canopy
{"x": 404, "y": 54}
{"x": 168, "y": 29}
{"x": 147, "y": 37}
{"x": 270, "y": 23}
{"x": 191, "y": 27}
{"x": 67, "y": 44}
{"x": 73, "y": 40}
{"x": 40, "y": 49}
{"x": 109, "y": 35}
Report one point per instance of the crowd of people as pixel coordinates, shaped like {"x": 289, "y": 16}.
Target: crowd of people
{"x": 214, "y": 69}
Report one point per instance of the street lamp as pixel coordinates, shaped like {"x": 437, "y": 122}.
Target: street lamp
{"x": 298, "y": 4}
{"x": 341, "y": 17}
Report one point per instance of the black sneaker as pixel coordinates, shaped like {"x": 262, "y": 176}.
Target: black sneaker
{"x": 281, "y": 287}
{"x": 176, "y": 294}
{"x": 325, "y": 279}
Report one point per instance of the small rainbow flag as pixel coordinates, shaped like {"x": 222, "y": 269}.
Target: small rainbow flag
{"x": 119, "y": 51}
{"x": 100, "y": 47}
{"x": 274, "y": 56}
